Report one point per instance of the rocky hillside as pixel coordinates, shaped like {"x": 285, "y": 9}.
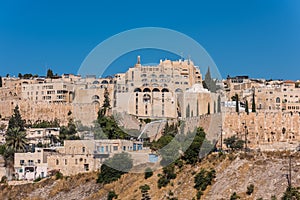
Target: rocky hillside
{"x": 234, "y": 172}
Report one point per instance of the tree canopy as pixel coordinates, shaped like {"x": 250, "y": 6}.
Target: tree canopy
{"x": 113, "y": 168}
{"x": 16, "y": 120}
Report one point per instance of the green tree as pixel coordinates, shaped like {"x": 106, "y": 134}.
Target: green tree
{"x": 215, "y": 107}
{"x": 253, "y": 103}
{"x": 291, "y": 193}
{"x": 106, "y": 104}
{"x": 191, "y": 155}
{"x": 112, "y": 195}
{"x": 16, "y": 120}
{"x": 236, "y": 103}
{"x": 167, "y": 176}
{"x": 109, "y": 128}
{"x": 20, "y": 75}
{"x": 148, "y": 173}
{"x": 144, "y": 190}
{"x": 250, "y": 189}
{"x": 219, "y": 104}
{"x": 234, "y": 143}
{"x": 204, "y": 178}
{"x": 209, "y": 83}
{"x": 0, "y": 81}
{"x": 234, "y": 196}
{"x": 68, "y": 132}
{"x": 16, "y": 139}
{"x": 188, "y": 111}
{"x": 50, "y": 73}
{"x": 113, "y": 168}
{"x": 247, "y": 107}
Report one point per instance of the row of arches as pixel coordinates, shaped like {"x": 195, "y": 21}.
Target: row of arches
{"x": 103, "y": 82}
{"x": 149, "y": 90}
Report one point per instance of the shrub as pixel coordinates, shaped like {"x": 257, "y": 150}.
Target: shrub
{"x": 291, "y": 193}
{"x": 250, "y": 189}
{"x": 108, "y": 174}
{"x": 58, "y": 175}
{"x": 199, "y": 194}
{"x": 144, "y": 188}
{"x": 179, "y": 163}
{"x": 148, "y": 173}
{"x": 112, "y": 195}
{"x": 234, "y": 196}
{"x": 203, "y": 179}
{"x": 37, "y": 179}
{"x": 273, "y": 197}
{"x": 168, "y": 174}
{"x": 3, "y": 179}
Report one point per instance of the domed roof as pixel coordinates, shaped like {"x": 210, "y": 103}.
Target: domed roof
{"x": 198, "y": 88}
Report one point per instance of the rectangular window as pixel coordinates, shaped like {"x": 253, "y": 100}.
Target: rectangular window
{"x": 21, "y": 162}
{"x": 83, "y": 149}
{"x": 30, "y": 162}
{"x": 115, "y": 148}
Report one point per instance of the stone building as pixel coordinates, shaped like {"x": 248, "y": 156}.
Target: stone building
{"x": 41, "y": 135}
{"x": 162, "y": 91}
{"x": 79, "y": 156}
{"x": 31, "y": 165}
{"x": 143, "y": 91}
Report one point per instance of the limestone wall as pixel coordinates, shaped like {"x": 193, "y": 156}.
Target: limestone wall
{"x": 264, "y": 128}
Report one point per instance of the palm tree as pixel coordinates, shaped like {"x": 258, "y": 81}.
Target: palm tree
{"x": 16, "y": 139}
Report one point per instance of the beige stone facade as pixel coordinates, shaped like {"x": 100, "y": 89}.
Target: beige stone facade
{"x": 79, "y": 156}
{"x": 142, "y": 91}
{"x": 31, "y": 165}
{"x": 41, "y": 135}
{"x": 162, "y": 91}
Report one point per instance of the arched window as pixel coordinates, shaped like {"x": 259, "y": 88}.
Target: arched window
{"x": 95, "y": 97}
{"x": 137, "y": 90}
{"x": 96, "y": 103}
{"x": 178, "y": 90}
{"x": 155, "y": 90}
{"x": 165, "y": 90}
{"x": 104, "y": 82}
{"x": 146, "y": 98}
{"x": 277, "y": 100}
{"x": 146, "y": 90}
{"x": 96, "y": 82}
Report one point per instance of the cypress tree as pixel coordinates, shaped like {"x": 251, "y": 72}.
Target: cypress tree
{"x": 50, "y": 73}
{"x": 16, "y": 120}
{"x": 208, "y": 108}
{"x": 253, "y": 103}
{"x": 237, "y": 103}
{"x": 0, "y": 81}
{"x": 219, "y": 104}
{"x": 247, "y": 107}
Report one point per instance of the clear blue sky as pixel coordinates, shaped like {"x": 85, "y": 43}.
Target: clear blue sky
{"x": 260, "y": 38}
